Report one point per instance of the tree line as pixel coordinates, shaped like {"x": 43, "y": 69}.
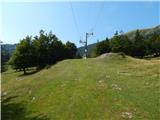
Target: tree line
{"x": 4, "y": 58}
{"x": 6, "y": 52}
{"x": 138, "y": 47}
{"x": 44, "y": 49}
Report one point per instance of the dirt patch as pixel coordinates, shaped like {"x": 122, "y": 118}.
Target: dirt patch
{"x": 106, "y": 55}
{"x": 111, "y": 55}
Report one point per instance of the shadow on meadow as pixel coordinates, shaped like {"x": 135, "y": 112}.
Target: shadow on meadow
{"x": 30, "y": 71}
{"x": 16, "y": 111}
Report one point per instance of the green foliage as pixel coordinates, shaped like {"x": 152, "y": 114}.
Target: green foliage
{"x": 4, "y": 58}
{"x": 71, "y": 49}
{"x": 154, "y": 43}
{"x": 23, "y": 56}
{"x": 6, "y": 51}
{"x": 102, "y": 47}
{"x": 78, "y": 56}
{"x": 43, "y": 50}
{"x": 139, "y": 47}
{"x": 121, "y": 43}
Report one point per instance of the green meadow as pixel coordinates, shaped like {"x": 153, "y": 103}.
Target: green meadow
{"x": 109, "y": 88}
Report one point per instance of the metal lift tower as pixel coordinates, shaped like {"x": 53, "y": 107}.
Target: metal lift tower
{"x": 85, "y": 44}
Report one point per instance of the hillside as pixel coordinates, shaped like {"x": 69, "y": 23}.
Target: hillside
{"x": 6, "y": 51}
{"x": 90, "y": 48}
{"x": 110, "y": 88}
{"x": 146, "y": 33}
{"x": 9, "y": 48}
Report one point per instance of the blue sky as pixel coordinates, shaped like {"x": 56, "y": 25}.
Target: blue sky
{"x": 19, "y": 19}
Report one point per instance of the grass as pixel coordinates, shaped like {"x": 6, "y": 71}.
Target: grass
{"x": 94, "y": 89}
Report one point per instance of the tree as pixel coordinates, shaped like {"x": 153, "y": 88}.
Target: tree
{"x": 121, "y": 43}
{"x": 57, "y": 51}
{"x": 71, "y": 50}
{"x": 154, "y": 43}
{"x": 48, "y": 48}
{"x": 42, "y": 50}
{"x": 102, "y": 47}
{"x": 116, "y": 33}
{"x": 42, "y": 45}
{"x": 78, "y": 56}
{"x": 23, "y": 56}
{"x": 139, "y": 45}
{"x": 4, "y": 58}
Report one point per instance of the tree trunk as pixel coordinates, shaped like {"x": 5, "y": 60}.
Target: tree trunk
{"x": 24, "y": 70}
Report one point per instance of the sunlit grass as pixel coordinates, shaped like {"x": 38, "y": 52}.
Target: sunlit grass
{"x": 93, "y": 89}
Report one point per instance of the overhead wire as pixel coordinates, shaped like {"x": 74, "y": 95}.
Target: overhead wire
{"x": 89, "y": 15}
{"x": 98, "y": 16}
{"x": 74, "y": 18}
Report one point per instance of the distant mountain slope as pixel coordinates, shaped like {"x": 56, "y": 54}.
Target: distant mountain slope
{"x": 90, "y": 48}
{"x": 144, "y": 32}
{"x": 131, "y": 34}
{"x": 6, "y": 51}
{"x": 8, "y": 48}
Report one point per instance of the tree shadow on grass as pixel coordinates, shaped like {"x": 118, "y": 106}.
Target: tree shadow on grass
{"x": 11, "y": 110}
{"x": 30, "y": 72}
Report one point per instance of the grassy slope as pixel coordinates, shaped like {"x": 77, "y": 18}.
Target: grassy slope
{"x": 84, "y": 89}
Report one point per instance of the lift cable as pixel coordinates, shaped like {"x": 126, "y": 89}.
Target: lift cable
{"x": 98, "y": 16}
{"x": 74, "y": 18}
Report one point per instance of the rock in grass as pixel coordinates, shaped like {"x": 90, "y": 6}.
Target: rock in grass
{"x": 116, "y": 87}
{"x": 127, "y": 115}
{"x": 101, "y": 83}
{"x": 33, "y": 98}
